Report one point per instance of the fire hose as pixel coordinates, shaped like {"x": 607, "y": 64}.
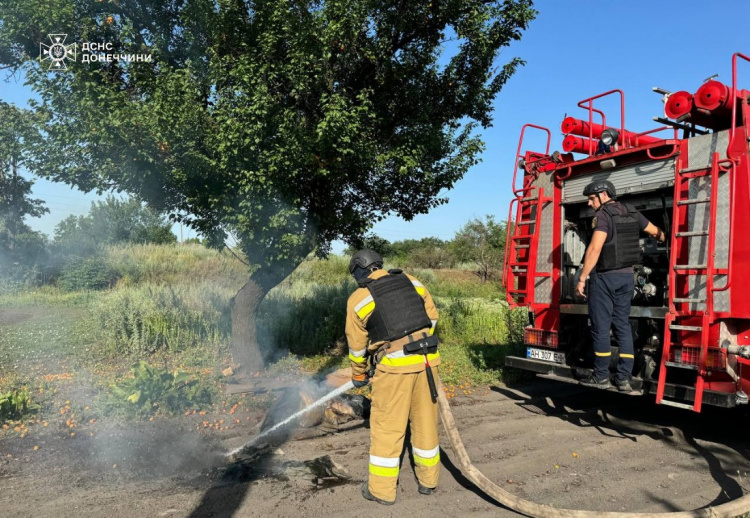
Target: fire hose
{"x": 731, "y": 509}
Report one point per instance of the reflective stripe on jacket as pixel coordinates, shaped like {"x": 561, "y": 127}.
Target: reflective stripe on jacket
{"x": 358, "y": 310}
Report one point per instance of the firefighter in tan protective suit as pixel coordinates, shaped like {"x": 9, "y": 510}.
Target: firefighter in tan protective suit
{"x": 390, "y": 322}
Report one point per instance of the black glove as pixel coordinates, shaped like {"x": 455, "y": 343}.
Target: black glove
{"x": 360, "y": 383}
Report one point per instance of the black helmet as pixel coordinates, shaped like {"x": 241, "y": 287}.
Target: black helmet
{"x": 598, "y": 186}
{"x": 365, "y": 258}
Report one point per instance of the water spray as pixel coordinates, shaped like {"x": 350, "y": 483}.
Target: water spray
{"x": 343, "y": 388}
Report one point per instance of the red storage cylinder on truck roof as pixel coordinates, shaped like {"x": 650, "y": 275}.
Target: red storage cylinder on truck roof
{"x": 574, "y": 144}
{"x": 678, "y": 104}
{"x": 580, "y": 127}
{"x": 713, "y": 96}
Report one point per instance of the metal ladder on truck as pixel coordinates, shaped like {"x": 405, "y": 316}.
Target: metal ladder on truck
{"x": 522, "y": 241}
{"x": 520, "y": 264}
{"x": 681, "y": 323}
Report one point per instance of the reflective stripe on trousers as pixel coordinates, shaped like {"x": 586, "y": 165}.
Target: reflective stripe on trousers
{"x": 397, "y": 400}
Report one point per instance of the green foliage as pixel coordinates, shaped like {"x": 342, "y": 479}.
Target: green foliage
{"x": 21, "y": 249}
{"x": 328, "y": 272}
{"x": 44, "y": 296}
{"x": 428, "y": 252}
{"x": 374, "y": 242}
{"x": 483, "y": 243}
{"x": 90, "y": 273}
{"x": 15, "y": 404}
{"x": 173, "y": 264}
{"x": 306, "y": 319}
{"x": 140, "y": 320}
{"x": 288, "y": 127}
{"x": 472, "y": 321}
{"x": 152, "y": 389}
{"x": 450, "y": 284}
{"x": 109, "y": 222}
{"x": 46, "y": 333}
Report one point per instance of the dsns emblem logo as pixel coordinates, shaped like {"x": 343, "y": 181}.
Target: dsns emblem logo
{"x": 57, "y": 52}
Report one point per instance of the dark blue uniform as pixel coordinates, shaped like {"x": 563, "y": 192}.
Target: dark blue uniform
{"x": 610, "y": 293}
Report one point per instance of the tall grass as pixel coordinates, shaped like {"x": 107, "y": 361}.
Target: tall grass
{"x": 140, "y": 320}
{"x": 304, "y": 318}
{"x": 175, "y": 264}
{"x": 176, "y": 299}
{"x": 458, "y": 283}
{"x": 45, "y": 296}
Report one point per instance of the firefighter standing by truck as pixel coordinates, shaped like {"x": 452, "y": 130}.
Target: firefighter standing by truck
{"x": 390, "y": 321}
{"x": 610, "y": 256}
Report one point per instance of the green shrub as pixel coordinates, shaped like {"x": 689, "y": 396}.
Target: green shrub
{"x": 176, "y": 264}
{"x": 140, "y": 320}
{"x": 16, "y": 403}
{"x": 465, "y": 321}
{"x": 330, "y": 272}
{"x": 425, "y": 275}
{"x": 91, "y": 273}
{"x": 476, "y": 336}
{"x": 304, "y": 318}
{"x": 151, "y": 389}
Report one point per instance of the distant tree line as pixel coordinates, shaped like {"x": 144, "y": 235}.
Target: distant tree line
{"x": 72, "y": 258}
{"x": 479, "y": 244}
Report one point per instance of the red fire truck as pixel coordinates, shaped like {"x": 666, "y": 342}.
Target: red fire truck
{"x": 690, "y": 314}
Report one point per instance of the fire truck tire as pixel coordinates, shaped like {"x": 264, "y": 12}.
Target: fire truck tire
{"x": 731, "y": 509}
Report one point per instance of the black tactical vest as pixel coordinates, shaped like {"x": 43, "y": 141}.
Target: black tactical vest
{"x": 622, "y": 248}
{"x": 399, "y": 309}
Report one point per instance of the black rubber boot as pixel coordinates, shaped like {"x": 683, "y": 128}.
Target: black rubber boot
{"x": 591, "y": 381}
{"x": 369, "y": 496}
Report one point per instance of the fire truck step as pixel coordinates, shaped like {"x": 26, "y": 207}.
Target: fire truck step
{"x": 690, "y": 266}
{"x": 526, "y": 200}
{"x": 521, "y": 237}
{"x": 695, "y": 170}
{"x": 676, "y": 404}
{"x": 692, "y": 234}
{"x": 693, "y": 201}
{"x": 530, "y": 222}
{"x": 685, "y": 328}
{"x": 517, "y": 291}
{"x": 682, "y": 365}
{"x": 522, "y": 246}
{"x": 518, "y": 270}
{"x": 688, "y": 300}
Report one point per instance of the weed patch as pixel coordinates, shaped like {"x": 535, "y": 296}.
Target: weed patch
{"x": 141, "y": 320}
{"x": 150, "y": 389}
{"x": 15, "y": 404}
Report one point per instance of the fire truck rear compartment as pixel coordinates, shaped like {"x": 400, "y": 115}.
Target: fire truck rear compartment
{"x": 649, "y": 304}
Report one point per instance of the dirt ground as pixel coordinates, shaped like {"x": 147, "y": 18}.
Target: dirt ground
{"x": 553, "y": 443}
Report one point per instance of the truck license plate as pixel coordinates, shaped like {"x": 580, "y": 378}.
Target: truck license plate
{"x": 541, "y": 354}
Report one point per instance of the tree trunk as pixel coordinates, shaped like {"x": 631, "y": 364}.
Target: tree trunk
{"x": 246, "y": 351}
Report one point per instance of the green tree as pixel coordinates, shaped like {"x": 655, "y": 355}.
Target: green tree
{"x": 109, "y": 222}
{"x": 483, "y": 243}
{"x": 374, "y": 242}
{"x": 285, "y": 124}
{"x": 20, "y": 246}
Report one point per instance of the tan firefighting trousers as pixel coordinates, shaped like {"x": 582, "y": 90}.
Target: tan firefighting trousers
{"x": 397, "y": 399}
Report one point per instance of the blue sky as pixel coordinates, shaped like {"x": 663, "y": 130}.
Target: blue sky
{"x": 575, "y": 49}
